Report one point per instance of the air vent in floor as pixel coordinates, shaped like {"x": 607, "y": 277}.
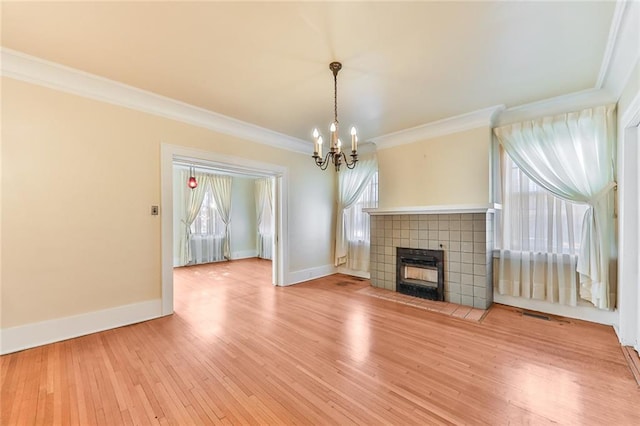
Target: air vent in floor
{"x": 536, "y": 315}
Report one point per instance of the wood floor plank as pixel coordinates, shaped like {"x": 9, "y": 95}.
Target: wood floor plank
{"x": 331, "y": 351}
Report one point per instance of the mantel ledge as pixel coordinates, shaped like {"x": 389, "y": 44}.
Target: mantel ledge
{"x": 442, "y": 209}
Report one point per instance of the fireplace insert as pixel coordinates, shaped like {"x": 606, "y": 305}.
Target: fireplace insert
{"x": 420, "y": 273}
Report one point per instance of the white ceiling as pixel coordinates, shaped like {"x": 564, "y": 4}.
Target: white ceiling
{"x": 404, "y": 63}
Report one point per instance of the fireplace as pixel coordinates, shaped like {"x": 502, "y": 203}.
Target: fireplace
{"x": 420, "y": 273}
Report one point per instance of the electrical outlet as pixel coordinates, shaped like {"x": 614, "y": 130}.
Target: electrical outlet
{"x": 154, "y": 210}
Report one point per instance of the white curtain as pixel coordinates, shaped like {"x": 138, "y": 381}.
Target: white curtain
{"x": 264, "y": 212}
{"x": 351, "y": 184}
{"x": 539, "y": 242}
{"x": 207, "y": 232}
{"x": 193, "y": 200}
{"x": 357, "y": 226}
{"x": 572, "y": 156}
{"x": 206, "y": 248}
{"x": 221, "y": 188}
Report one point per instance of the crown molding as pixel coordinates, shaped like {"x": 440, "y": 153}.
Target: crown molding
{"x": 623, "y": 48}
{"x": 31, "y": 69}
{"x": 618, "y": 13}
{"x": 472, "y": 120}
{"x": 559, "y": 105}
{"x": 620, "y": 57}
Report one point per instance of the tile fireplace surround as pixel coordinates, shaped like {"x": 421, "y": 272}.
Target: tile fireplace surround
{"x": 465, "y": 237}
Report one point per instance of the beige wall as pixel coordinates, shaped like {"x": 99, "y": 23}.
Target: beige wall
{"x": 451, "y": 169}
{"x": 78, "y": 179}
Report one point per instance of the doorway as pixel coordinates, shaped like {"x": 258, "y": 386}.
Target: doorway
{"x": 230, "y": 165}
{"x": 229, "y": 215}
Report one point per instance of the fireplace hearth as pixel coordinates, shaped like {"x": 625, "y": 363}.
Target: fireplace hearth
{"x": 420, "y": 273}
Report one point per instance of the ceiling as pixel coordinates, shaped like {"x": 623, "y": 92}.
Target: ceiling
{"x": 404, "y": 63}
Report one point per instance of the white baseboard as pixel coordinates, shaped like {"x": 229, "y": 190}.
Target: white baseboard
{"x": 41, "y": 333}
{"x": 347, "y": 271}
{"x": 243, "y": 254}
{"x": 585, "y": 313}
{"x": 303, "y": 275}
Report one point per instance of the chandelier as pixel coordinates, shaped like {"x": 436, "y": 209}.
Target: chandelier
{"x": 336, "y": 153}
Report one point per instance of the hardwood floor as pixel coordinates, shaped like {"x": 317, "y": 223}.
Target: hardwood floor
{"x": 240, "y": 351}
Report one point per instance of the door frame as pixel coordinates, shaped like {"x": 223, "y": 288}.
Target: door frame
{"x": 169, "y": 153}
{"x": 629, "y": 239}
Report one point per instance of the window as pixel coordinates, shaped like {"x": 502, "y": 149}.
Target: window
{"x": 357, "y": 221}
{"x": 356, "y": 224}
{"x": 535, "y": 220}
{"x": 208, "y": 221}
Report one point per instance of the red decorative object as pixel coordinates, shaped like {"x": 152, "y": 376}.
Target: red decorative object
{"x": 192, "y": 182}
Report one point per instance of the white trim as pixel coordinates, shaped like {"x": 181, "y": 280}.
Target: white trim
{"x": 628, "y": 329}
{"x": 243, "y": 254}
{"x": 446, "y": 126}
{"x": 303, "y": 275}
{"x": 621, "y": 57}
{"x": 618, "y": 13}
{"x": 559, "y": 105}
{"x": 631, "y": 116}
{"x": 170, "y": 152}
{"x": 585, "y": 313}
{"x": 41, "y": 333}
{"x": 38, "y": 71}
{"x": 443, "y": 209}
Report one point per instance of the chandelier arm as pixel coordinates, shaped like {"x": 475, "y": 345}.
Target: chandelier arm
{"x": 354, "y": 160}
{"x": 323, "y": 164}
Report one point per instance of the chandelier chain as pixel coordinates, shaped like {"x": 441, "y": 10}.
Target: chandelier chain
{"x": 335, "y": 97}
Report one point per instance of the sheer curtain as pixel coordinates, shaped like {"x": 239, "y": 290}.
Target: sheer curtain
{"x": 221, "y": 189}
{"x": 572, "y": 156}
{"x": 264, "y": 212}
{"x": 539, "y": 242}
{"x": 357, "y": 227}
{"x": 207, "y": 232}
{"x": 193, "y": 200}
{"x": 351, "y": 184}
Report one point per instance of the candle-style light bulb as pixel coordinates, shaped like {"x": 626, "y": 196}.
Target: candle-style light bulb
{"x": 334, "y": 135}
{"x": 353, "y": 138}
{"x": 339, "y": 145}
{"x": 315, "y": 140}
{"x": 320, "y": 146}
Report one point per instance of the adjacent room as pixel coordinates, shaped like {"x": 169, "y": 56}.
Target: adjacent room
{"x": 320, "y": 212}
